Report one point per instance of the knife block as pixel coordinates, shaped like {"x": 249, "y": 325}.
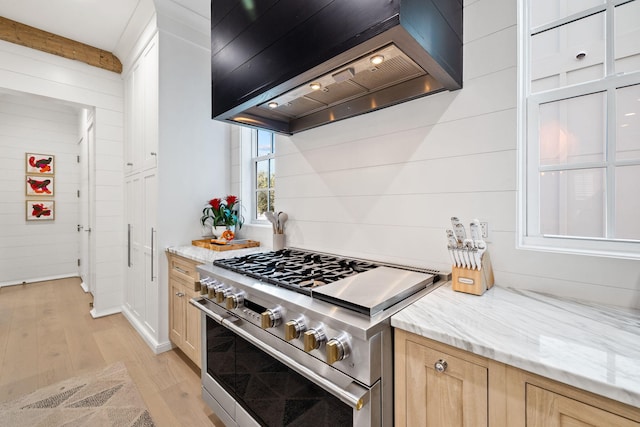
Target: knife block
{"x": 474, "y": 282}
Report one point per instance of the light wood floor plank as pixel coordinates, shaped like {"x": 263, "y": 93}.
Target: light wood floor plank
{"x": 47, "y": 335}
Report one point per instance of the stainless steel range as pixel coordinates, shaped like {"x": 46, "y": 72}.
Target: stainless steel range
{"x": 302, "y": 338}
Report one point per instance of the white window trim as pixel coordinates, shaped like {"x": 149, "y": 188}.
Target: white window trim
{"x": 254, "y": 178}
{"x": 248, "y": 142}
{"x": 527, "y": 189}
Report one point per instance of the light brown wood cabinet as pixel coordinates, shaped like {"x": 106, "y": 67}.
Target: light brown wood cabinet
{"x": 548, "y": 409}
{"x": 184, "y": 319}
{"x": 439, "y": 385}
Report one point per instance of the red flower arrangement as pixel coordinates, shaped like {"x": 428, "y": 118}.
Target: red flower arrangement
{"x": 222, "y": 212}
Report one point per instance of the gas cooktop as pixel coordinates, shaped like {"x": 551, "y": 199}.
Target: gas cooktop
{"x": 295, "y": 269}
{"x": 363, "y": 286}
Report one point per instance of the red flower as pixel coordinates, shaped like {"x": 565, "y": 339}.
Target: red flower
{"x": 215, "y": 203}
{"x": 222, "y": 212}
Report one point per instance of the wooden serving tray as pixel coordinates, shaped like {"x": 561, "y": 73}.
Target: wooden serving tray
{"x": 234, "y": 244}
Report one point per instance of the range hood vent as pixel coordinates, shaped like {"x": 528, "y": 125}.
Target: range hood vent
{"x": 291, "y": 65}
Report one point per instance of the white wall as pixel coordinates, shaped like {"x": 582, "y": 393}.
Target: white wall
{"x": 194, "y": 150}
{"x": 384, "y": 185}
{"x": 33, "y": 251}
{"x": 38, "y": 73}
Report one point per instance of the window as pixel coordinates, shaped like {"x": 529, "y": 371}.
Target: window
{"x": 580, "y": 126}
{"x": 264, "y": 173}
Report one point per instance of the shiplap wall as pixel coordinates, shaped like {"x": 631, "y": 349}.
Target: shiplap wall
{"x": 384, "y": 185}
{"x": 37, "y": 73}
{"x": 44, "y": 249}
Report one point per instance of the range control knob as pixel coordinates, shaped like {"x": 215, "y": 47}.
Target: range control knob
{"x": 221, "y": 294}
{"x": 338, "y": 349}
{"x": 313, "y": 339}
{"x": 212, "y": 286}
{"x": 293, "y": 329}
{"x": 271, "y": 318}
{"x": 235, "y": 300}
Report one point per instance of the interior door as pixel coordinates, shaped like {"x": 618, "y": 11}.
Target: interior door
{"x": 85, "y": 223}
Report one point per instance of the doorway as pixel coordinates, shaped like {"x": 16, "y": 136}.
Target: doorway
{"x": 86, "y": 162}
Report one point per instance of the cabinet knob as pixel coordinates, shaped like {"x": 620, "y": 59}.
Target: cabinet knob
{"x": 440, "y": 365}
{"x": 129, "y": 164}
{"x": 180, "y": 294}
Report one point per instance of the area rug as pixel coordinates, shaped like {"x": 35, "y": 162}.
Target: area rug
{"x": 104, "y": 398}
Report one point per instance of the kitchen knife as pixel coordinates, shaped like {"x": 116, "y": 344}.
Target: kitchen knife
{"x": 460, "y": 233}
{"x": 469, "y": 248}
{"x": 476, "y": 236}
{"x": 458, "y": 230}
{"x": 482, "y": 247}
{"x": 452, "y": 246}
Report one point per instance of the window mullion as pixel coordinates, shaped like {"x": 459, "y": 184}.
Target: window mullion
{"x": 610, "y": 194}
{"x": 567, "y": 20}
{"x": 610, "y": 120}
{"x": 532, "y": 186}
{"x": 572, "y": 166}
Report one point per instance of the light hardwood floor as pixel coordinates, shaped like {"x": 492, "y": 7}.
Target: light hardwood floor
{"x": 47, "y": 335}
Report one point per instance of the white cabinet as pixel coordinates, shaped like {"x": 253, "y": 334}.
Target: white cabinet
{"x": 141, "y": 101}
{"x": 141, "y": 295}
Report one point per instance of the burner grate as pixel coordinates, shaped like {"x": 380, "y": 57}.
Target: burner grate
{"x": 295, "y": 269}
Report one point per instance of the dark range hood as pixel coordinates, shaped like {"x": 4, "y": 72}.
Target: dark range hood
{"x": 292, "y": 65}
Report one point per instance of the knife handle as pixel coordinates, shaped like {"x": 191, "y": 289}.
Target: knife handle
{"x": 474, "y": 228}
{"x": 458, "y": 229}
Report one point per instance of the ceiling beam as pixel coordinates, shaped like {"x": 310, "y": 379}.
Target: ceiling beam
{"x": 31, "y": 37}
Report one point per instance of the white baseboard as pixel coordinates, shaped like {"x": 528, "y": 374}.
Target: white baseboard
{"x": 152, "y": 342}
{"x": 95, "y": 313}
{"x": 37, "y": 279}
{"x": 84, "y": 287}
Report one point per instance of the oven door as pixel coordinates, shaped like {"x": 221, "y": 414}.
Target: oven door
{"x": 255, "y": 383}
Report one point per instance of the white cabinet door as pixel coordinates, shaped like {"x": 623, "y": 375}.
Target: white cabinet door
{"x": 149, "y": 64}
{"x": 151, "y": 285}
{"x": 130, "y": 122}
{"x": 141, "y": 111}
{"x": 134, "y": 289}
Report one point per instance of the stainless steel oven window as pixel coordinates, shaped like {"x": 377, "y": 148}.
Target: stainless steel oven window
{"x": 272, "y": 393}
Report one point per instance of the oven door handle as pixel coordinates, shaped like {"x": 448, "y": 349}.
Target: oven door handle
{"x": 353, "y": 394}
{"x": 196, "y": 303}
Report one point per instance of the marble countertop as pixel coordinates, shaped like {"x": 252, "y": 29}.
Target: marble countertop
{"x": 591, "y": 347}
{"x": 207, "y": 256}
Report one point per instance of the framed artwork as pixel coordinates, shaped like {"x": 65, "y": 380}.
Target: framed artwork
{"x": 37, "y": 185}
{"x": 40, "y": 164}
{"x": 40, "y": 210}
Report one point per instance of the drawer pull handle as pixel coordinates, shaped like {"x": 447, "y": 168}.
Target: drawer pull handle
{"x": 178, "y": 269}
{"x": 180, "y": 294}
{"x": 440, "y": 365}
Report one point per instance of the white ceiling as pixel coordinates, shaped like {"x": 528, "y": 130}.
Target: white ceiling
{"x": 98, "y": 23}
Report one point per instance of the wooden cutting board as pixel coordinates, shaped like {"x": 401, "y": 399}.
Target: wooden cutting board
{"x": 234, "y": 244}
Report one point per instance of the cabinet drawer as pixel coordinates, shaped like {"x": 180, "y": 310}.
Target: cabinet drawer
{"x": 184, "y": 269}
{"x": 548, "y": 409}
